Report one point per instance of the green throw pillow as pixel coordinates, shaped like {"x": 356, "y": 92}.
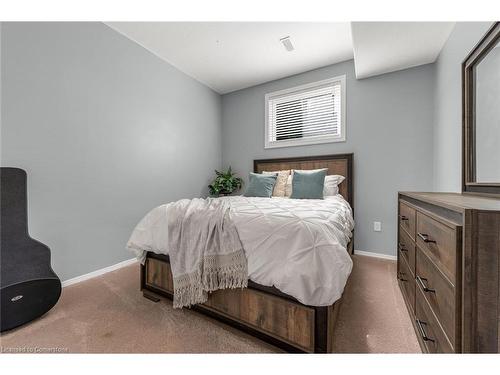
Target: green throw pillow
{"x": 260, "y": 185}
{"x": 308, "y": 184}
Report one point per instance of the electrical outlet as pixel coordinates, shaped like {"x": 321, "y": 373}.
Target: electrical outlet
{"x": 377, "y": 226}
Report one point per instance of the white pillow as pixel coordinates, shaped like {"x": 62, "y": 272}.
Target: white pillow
{"x": 330, "y": 188}
{"x": 332, "y": 183}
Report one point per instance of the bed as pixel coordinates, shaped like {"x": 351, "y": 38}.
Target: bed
{"x": 276, "y": 307}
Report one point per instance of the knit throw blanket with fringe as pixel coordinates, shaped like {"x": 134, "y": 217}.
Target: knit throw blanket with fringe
{"x": 205, "y": 250}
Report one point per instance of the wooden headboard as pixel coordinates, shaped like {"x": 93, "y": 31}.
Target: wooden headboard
{"x": 340, "y": 164}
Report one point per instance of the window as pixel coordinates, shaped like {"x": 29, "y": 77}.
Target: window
{"x": 307, "y": 114}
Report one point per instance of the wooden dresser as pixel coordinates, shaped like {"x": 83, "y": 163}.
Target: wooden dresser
{"x": 449, "y": 270}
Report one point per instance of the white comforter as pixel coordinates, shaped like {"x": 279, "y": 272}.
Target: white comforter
{"x": 295, "y": 245}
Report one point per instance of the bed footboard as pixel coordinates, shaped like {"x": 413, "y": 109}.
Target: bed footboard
{"x": 260, "y": 311}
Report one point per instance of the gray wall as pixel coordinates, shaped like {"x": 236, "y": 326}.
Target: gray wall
{"x": 448, "y": 105}
{"x": 389, "y": 129}
{"x": 106, "y": 132}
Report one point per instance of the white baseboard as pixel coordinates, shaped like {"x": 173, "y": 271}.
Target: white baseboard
{"x": 375, "y": 255}
{"x": 100, "y": 272}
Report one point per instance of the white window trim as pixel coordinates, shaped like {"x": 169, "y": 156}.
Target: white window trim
{"x": 309, "y": 140}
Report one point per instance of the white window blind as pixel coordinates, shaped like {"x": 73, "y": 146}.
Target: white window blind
{"x": 308, "y": 114}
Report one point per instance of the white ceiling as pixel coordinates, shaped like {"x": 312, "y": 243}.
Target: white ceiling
{"x": 382, "y": 47}
{"x": 229, "y": 56}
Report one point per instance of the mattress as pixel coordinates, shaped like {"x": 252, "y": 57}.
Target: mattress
{"x": 298, "y": 246}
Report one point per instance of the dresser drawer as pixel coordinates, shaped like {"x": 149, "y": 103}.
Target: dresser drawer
{"x": 439, "y": 242}
{"x": 407, "y": 218}
{"x": 438, "y": 292}
{"x": 407, "y": 282}
{"x": 407, "y": 248}
{"x": 428, "y": 328}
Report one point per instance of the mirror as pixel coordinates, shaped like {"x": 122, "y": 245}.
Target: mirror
{"x": 487, "y": 122}
{"x": 481, "y": 116}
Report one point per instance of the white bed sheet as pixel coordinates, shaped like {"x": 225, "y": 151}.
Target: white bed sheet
{"x": 295, "y": 245}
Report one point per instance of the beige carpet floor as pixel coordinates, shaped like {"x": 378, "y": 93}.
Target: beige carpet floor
{"x": 108, "y": 314}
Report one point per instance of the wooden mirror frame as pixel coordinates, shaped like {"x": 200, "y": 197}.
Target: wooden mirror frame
{"x": 478, "y": 53}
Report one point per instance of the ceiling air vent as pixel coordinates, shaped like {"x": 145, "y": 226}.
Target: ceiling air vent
{"x": 287, "y": 43}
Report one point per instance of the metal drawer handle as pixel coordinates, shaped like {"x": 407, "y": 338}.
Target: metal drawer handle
{"x": 424, "y": 287}
{"x": 403, "y": 217}
{"x": 420, "y": 326}
{"x": 400, "y": 276}
{"x": 425, "y": 237}
{"x": 401, "y": 247}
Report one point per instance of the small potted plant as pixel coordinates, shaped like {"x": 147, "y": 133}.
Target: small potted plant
{"x": 225, "y": 183}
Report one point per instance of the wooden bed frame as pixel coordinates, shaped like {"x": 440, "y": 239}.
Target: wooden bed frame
{"x": 262, "y": 311}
